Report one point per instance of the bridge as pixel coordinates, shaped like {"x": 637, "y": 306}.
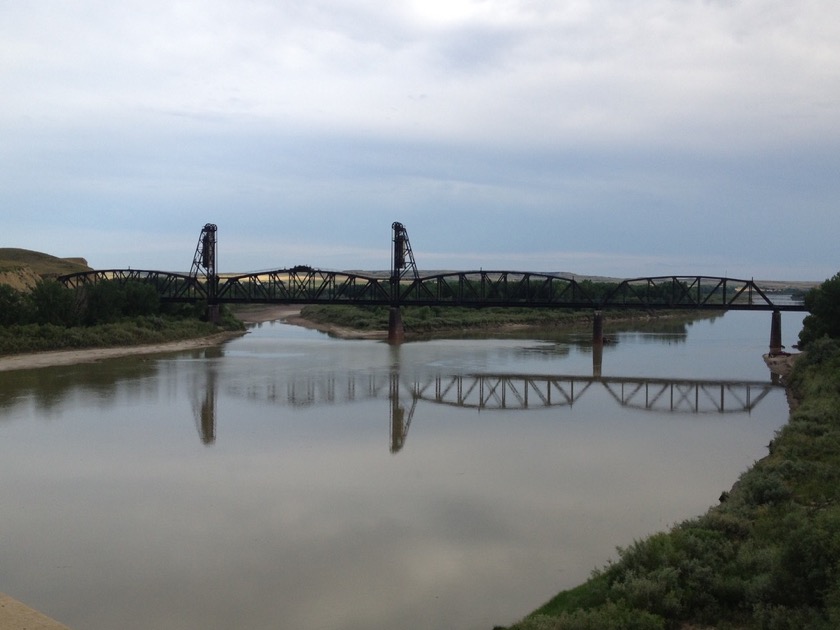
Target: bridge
{"x": 405, "y": 286}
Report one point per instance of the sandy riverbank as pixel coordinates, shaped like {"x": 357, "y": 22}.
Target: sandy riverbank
{"x": 255, "y": 314}
{"x": 291, "y": 315}
{"x": 36, "y": 360}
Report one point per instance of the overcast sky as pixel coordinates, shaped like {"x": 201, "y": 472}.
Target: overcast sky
{"x": 611, "y": 137}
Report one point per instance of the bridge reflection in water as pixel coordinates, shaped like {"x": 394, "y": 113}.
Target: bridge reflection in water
{"x": 484, "y": 392}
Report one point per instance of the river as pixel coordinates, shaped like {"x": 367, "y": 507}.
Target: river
{"x": 291, "y": 480}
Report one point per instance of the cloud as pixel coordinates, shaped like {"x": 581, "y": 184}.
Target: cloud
{"x": 532, "y": 72}
{"x": 659, "y": 127}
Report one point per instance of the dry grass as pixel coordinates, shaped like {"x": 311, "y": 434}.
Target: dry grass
{"x": 22, "y": 268}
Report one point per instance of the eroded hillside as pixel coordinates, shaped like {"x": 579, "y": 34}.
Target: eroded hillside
{"x": 22, "y": 268}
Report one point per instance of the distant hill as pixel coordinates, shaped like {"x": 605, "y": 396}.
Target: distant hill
{"x": 22, "y": 268}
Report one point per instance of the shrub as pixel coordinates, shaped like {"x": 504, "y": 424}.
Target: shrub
{"x": 823, "y": 304}
{"x": 14, "y": 306}
{"x": 54, "y": 304}
{"x": 611, "y": 616}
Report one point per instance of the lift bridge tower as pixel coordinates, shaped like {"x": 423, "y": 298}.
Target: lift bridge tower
{"x": 402, "y": 265}
{"x": 204, "y": 264}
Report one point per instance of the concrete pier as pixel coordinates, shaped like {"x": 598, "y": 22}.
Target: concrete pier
{"x": 598, "y": 328}
{"x": 776, "y": 346}
{"x": 396, "y": 331}
{"x": 214, "y": 313}
{"x": 17, "y": 616}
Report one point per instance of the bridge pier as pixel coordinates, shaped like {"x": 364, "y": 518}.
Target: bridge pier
{"x": 214, "y": 313}
{"x": 776, "y": 333}
{"x": 396, "y": 331}
{"x": 598, "y": 328}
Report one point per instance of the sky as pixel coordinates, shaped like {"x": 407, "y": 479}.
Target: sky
{"x": 602, "y": 137}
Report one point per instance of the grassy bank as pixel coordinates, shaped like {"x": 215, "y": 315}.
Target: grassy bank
{"x": 23, "y": 338}
{"x": 50, "y": 316}
{"x": 767, "y": 557}
{"x": 426, "y": 320}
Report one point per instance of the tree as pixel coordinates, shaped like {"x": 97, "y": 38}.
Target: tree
{"x": 54, "y": 304}
{"x": 823, "y": 304}
{"x": 103, "y": 302}
{"x": 141, "y": 299}
{"x": 110, "y": 300}
{"x": 14, "y": 307}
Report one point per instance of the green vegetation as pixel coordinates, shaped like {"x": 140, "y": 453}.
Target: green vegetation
{"x": 423, "y": 320}
{"x": 769, "y": 555}
{"x": 53, "y": 317}
{"x": 823, "y": 304}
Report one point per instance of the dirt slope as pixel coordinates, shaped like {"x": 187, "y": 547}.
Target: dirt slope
{"x": 22, "y": 268}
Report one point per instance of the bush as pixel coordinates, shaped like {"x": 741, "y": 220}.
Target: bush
{"x": 15, "y": 308}
{"x": 611, "y": 616}
{"x": 823, "y": 304}
{"x": 766, "y": 557}
{"x": 54, "y": 304}
{"x": 110, "y": 301}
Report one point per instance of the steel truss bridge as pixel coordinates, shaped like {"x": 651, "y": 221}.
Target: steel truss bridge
{"x": 406, "y": 287}
{"x": 458, "y": 288}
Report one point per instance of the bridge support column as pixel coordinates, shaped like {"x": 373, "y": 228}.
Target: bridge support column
{"x": 598, "y": 328}
{"x": 214, "y": 313}
{"x": 776, "y": 333}
{"x": 396, "y": 331}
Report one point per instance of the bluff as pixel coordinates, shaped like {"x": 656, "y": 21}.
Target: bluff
{"x": 23, "y": 268}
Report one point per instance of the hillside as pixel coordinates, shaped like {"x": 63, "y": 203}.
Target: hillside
{"x": 22, "y": 268}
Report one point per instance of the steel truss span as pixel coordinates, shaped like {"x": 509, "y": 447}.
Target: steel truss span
{"x": 406, "y": 287}
{"x": 305, "y": 286}
{"x": 494, "y": 288}
{"x": 463, "y": 288}
{"x": 692, "y": 292}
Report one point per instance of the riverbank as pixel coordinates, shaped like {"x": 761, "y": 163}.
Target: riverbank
{"x": 261, "y": 313}
{"x": 424, "y": 322}
{"x": 256, "y": 314}
{"x": 249, "y": 315}
{"x": 35, "y": 360}
{"x": 15, "y": 615}
{"x": 766, "y": 557}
